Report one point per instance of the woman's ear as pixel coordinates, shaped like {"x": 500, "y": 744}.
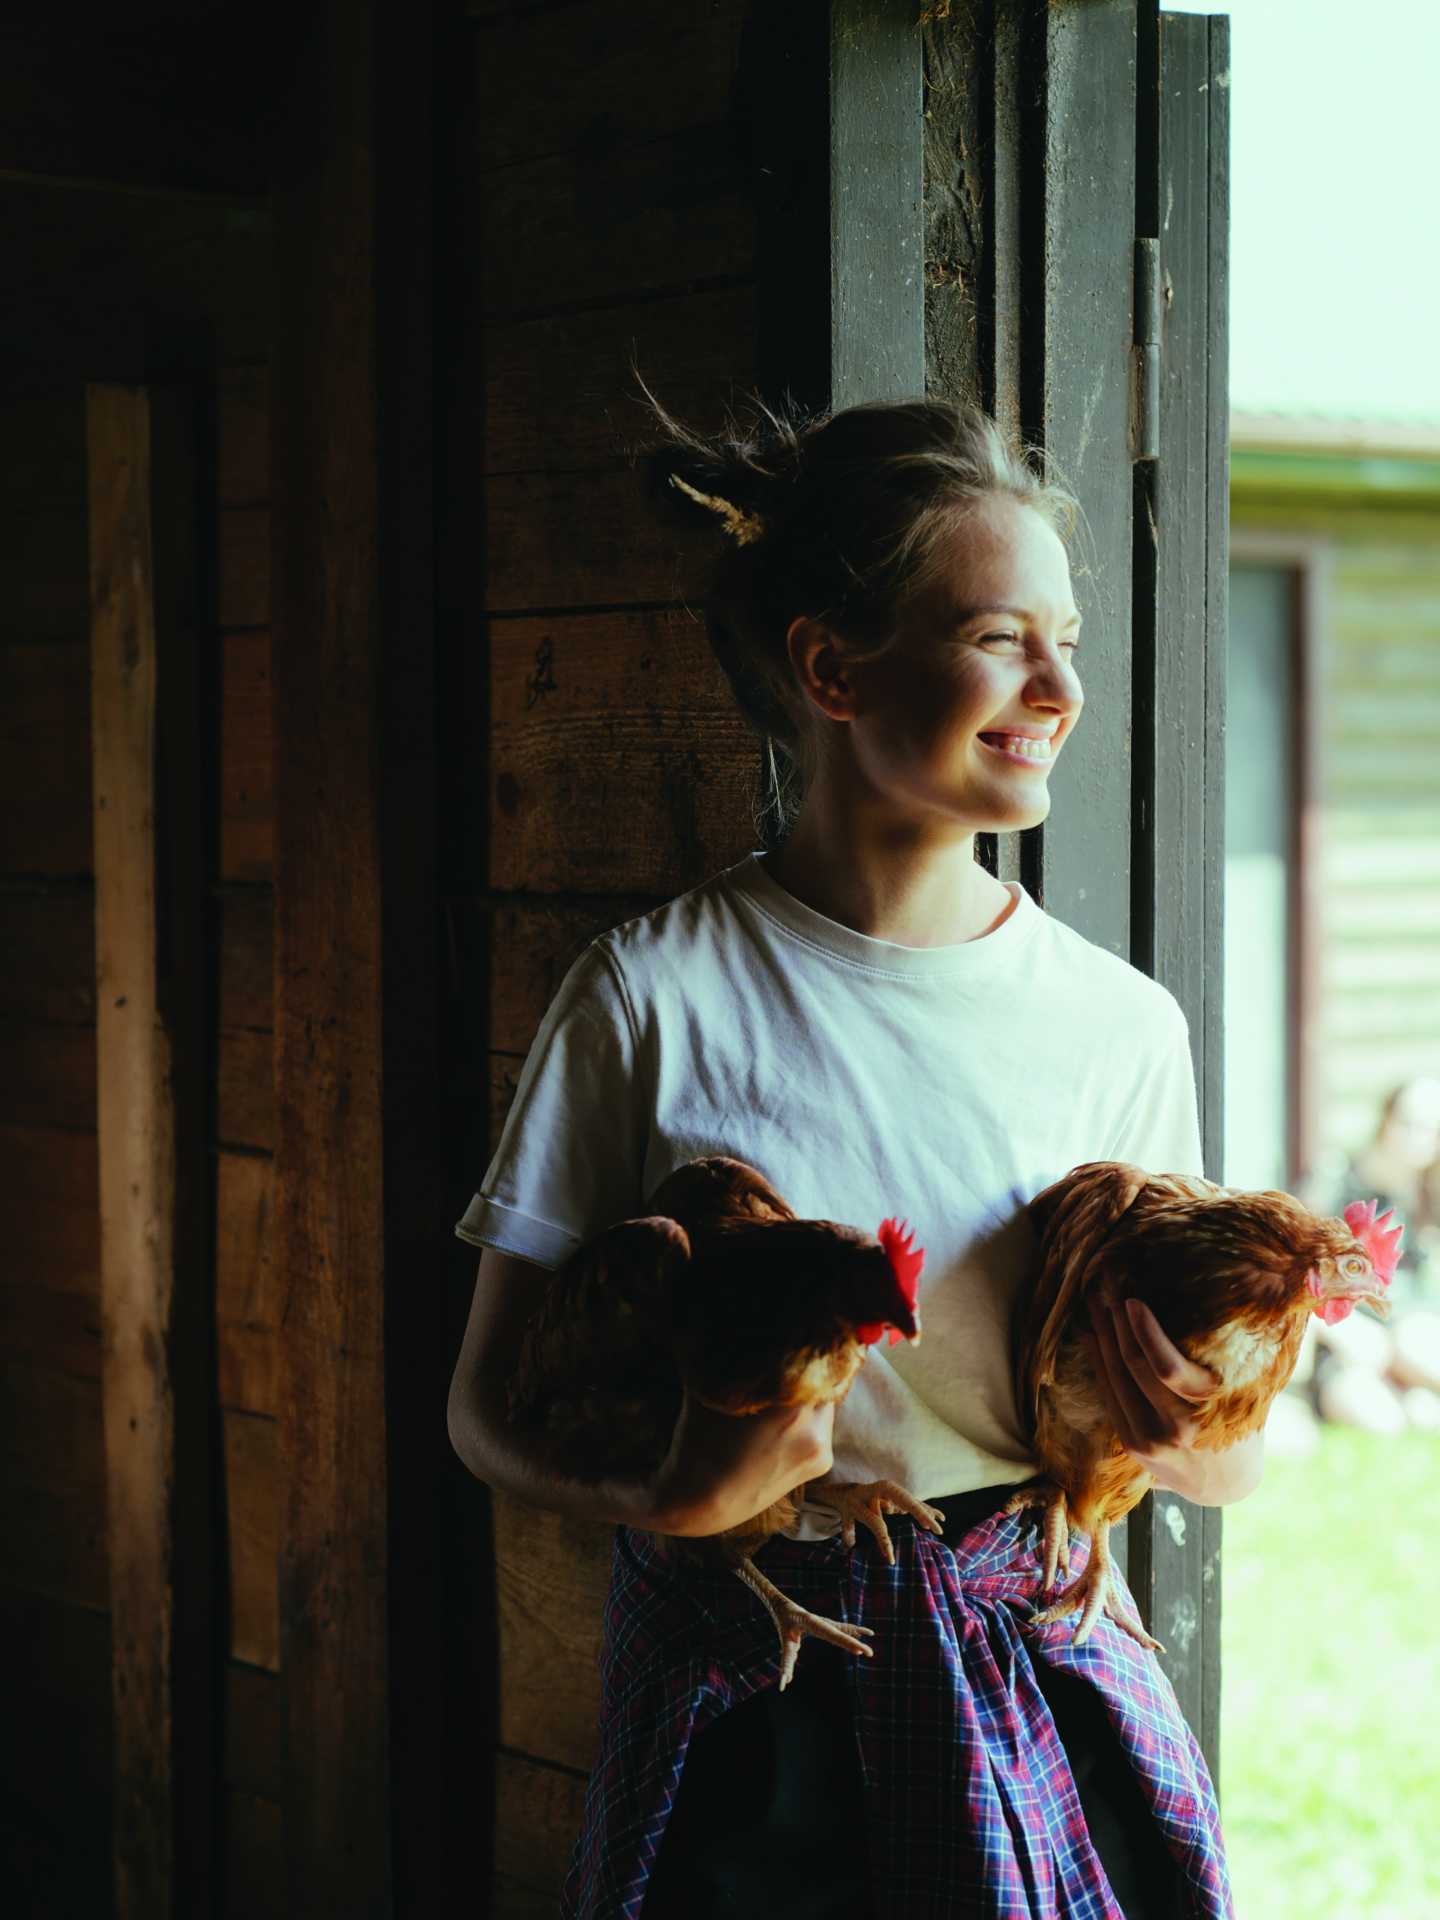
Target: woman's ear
{"x": 818, "y": 668}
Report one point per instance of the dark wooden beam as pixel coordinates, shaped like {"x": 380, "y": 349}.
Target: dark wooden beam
{"x": 364, "y": 1373}
{"x": 151, "y": 1027}
{"x": 1078, "y": 240}
{"x": 831, "y": 93}
{"x": 1181, "y": 603}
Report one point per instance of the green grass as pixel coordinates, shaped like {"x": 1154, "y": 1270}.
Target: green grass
{"x": 1330, "y": 1703}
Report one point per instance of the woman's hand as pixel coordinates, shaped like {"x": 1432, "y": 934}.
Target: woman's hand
{"x": 1154, "y": 1393}
{"x": 724, "y": 1468}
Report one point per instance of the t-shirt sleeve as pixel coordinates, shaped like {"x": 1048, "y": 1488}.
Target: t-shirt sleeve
{"x": 1161, "y": 1132}
{"x": 571, "y": 1153}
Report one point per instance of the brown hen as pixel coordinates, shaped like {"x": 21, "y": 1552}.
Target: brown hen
{"x": 1232, "y": 1276}
{"x": 722, "y": 1289}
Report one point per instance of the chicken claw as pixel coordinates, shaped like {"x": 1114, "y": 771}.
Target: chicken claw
{"x": 1045, "y": 1493}
{"x": 793, "y": 1622}
{"x": 1094, "y": 1594}
{"x": 869, "y": 1501}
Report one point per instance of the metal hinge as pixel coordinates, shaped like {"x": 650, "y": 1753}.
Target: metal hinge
{"x": 1145, "y": 369}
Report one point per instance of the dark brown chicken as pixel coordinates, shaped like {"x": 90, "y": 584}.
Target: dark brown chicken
{"x": 1232, "y": 1277}
{"x": 720, "y": 1289}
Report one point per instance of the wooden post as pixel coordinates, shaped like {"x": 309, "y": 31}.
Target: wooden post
{"x": 359, "y": 1213}
{"x": 156, "y": 1295}
{"x": 1181, "y": 604}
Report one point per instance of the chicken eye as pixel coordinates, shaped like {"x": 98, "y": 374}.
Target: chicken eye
{"x": 1354, "y": 1264}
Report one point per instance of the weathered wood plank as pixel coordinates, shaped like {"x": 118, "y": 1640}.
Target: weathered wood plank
{"x": 551, "y": 1574}
{"x": 51, "y": 1080}
{"x": 50, "y": 1303}
{"x": 52, "y": 1495}
{"x": 957, "y": 248}
{"x": 247, "y": 795}
{"x": 1083, "y": 132}
{"x": 49, "y": 1327}
{"x": 252, "y": 1512}
{"x": 666, "y": 216}
{"x": 116, "y": 283}
{"x": 55, "y": 1737}
{"x": 49, "y": 1208}
{"x": 332, "y": 1422}
{"x": 155, "y": 1296}
{"x": 599, "y": 78}
{"x": 247, "y": 1290}
{"x": 562, "y": 539}
{"x": 245, "y": 1090}
{"x": 254, "y": 1731}
{"x": 603, "y": 717}
{"x": 558, "y": 392}
{"x": 255, "y": 1829}
{"x": 45, "y": 807}
{"x": 243, "y": 449}
{"x": 877, "y": 237}
{"x": 50, "y": 1074}
{"x": 537, "y": 1819}
{"x": 47, "y": 955}
{"x": 357, "y": 1156}
{"x": 244, "y": 587}
{"x": 46, "y": 812}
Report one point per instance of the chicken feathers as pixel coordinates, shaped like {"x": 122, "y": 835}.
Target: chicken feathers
{"x": 1231, "y": 1275}
{"x": 719, "y": 1289}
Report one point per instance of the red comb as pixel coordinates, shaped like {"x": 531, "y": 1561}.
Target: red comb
{"x": 1380, "y": 1241}
{"x": 895, "y": 1237}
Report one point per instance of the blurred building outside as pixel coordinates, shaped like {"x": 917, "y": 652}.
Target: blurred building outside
{"x": 1332, "y": 805}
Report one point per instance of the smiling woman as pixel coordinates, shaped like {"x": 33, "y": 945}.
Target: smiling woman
{"x": 856, "y": 1014}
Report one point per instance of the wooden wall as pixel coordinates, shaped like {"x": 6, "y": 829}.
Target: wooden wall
{"x": 135, "y": 251}
{"x": 596, "y": 765}
{"x": 55, "y": 1746}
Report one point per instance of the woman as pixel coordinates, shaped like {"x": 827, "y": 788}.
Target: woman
{"x": 880, "y": 1026}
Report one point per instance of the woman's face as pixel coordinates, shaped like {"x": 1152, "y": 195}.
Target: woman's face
{"x": 965, "y": 715}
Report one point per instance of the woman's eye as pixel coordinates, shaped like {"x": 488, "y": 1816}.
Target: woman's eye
{"x": 1000, "y": 636}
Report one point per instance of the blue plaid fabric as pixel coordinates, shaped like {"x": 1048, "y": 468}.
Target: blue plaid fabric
{"x": 971, "y": 1805}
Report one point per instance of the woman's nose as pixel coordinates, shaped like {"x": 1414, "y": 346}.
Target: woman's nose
{"x": 1055, "y": 683}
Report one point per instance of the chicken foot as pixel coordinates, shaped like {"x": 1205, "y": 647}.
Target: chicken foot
{"x": 1045, "y": 1493}
{"x": 1094, "y": 1594}
{"x": 793, "y": 1622}
{"x": 868, "y": 1501}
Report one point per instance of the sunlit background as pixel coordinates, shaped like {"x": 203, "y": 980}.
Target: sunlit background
{"x": 1330, "y": 1754}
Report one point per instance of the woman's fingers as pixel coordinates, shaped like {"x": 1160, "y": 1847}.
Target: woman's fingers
{"x": 1129, "y": 1410}
{"x": 1168, "y": 1378}
{"x": 1155, "y": 1385}
{"x": 1175, "y": 1369}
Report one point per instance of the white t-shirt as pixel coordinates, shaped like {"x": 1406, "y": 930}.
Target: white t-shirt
{"x": 943, "y": 1085}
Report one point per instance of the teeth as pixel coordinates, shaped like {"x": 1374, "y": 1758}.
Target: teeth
{"x": 1030, "y": 749}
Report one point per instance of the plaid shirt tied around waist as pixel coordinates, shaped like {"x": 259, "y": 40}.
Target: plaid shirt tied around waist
{"x": 972, "y": 1812}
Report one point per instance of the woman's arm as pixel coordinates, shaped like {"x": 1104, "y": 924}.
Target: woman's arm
{"x": 1152, "y": 1390}
{"x": 720, "y": 1471}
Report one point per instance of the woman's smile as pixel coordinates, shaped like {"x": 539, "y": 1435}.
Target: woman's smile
{"x": 1025, "y": 750}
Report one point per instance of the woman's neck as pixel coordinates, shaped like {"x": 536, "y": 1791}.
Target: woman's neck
{"x": 917, "y": 895}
